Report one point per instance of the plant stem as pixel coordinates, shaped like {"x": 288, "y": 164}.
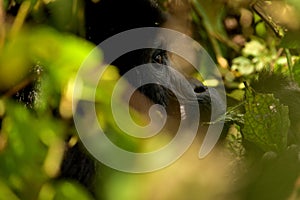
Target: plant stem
{"x": 289, "y": 62}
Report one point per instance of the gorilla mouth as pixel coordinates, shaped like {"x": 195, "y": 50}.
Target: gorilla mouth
{"x": 158, "y": 94}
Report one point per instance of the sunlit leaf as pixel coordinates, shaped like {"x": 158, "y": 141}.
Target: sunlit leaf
{"x": 237, "y": 95}
{"x": 61, "y": 55}
{"x": 254, "y": 48}
{"x": 242, "y": 65}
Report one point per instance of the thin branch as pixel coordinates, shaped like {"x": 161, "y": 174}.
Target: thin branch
{"x": 20, "y": 18}
{"x": 290, "y": 63}
{"x": 2, "y": 24}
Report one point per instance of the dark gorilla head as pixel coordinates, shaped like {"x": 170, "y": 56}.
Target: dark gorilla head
{"x": 109, "y": 17}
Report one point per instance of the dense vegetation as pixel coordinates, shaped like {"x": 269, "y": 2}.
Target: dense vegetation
{"x": 256, "y": 47}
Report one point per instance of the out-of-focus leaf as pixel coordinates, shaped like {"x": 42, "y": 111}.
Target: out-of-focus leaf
{"x": 260, "y": 29}
{"x": 6, "y": 192}
{"x": 254, "y": 48}
{"x": 255, "y": 57}
{"x": 63, "y": 190}
{"x": 274, "y": 177}
{"x": 242, "y": 65}
{"x": 60, "y": 54}
{"x": 291, "y": 40}
{"x": 234, "y": 142}
{"x": 14, "y": 65}
{"x": 22, "y": 159}
{"x": 70, "y": 191}
{"x": 294, "y": 3}
{"x": 212, "y": 12}
{"x": 266, "y": 121}
{"x": 66, "y": 15}
{"x": 278, "y": 15}
{"x": 296, "y": 72}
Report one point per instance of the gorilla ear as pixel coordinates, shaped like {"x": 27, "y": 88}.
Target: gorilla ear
{"x": 106, "y": 18}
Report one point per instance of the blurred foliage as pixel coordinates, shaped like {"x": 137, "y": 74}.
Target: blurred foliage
{"x": 42, "y": 47}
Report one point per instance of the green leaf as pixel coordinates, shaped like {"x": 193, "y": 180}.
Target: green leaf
{"x": 261, "y": 29}
{"x": 266, "y": 121}
{"x": 296, "y": 71}
{"x": 237, "y": 94}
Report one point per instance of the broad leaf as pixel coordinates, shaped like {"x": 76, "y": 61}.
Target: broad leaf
{"x": 266, "y": 121}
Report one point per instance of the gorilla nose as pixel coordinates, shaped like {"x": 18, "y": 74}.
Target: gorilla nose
{"x": 200, "y": 89}
{"x": 198, "y": 86}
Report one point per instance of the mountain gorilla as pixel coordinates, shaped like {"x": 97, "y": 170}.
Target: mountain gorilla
{"x": 106, "y": 18}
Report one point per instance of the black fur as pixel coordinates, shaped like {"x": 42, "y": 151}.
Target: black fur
{"x": 105, "y": 19}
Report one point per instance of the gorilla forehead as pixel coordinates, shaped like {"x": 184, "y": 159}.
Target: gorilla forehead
{"x": 109, "y": 17}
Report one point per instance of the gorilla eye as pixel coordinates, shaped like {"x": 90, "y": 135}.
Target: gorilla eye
{"x": 159, "y": 56}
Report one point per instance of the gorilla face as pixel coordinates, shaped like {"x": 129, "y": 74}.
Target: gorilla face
{"x": 110, "y": 17}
